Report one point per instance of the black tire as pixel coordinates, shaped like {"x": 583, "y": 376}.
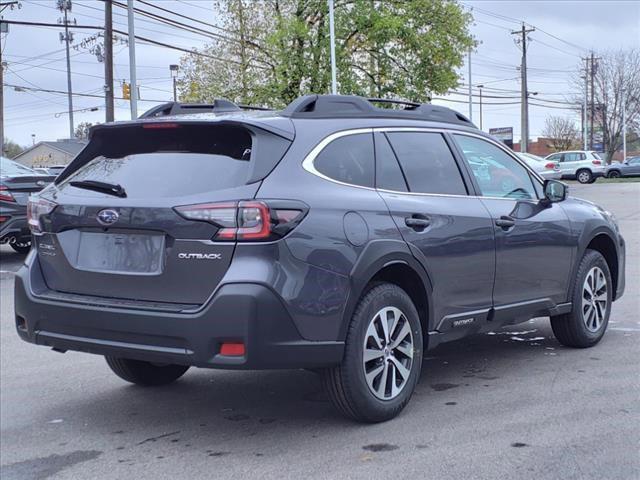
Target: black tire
{"x": 584, "y": 175}
{"x": 614, "y": 174}
{"x": 346, "y": 384}
{"x": 145, "y": 373}
{"x": 22, "y": 248}
{"x": 571, "y": 329}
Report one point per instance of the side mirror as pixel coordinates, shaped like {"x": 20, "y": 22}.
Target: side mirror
{"x": 555, "y": 191}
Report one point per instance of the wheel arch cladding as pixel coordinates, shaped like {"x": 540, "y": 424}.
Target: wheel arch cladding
{"x": 391, "y": 261}
{"x": 606, "y": 246}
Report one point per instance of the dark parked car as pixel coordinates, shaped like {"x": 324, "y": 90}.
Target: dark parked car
{"x": 17, "y": 182}
{"x": 629, "y": 168}
{"x": 333, "y": 235}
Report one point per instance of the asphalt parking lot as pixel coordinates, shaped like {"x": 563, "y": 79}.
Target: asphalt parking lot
{"x": 513, "y": 404}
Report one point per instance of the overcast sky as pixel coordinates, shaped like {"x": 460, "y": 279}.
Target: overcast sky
{"x": 35, "y": 58}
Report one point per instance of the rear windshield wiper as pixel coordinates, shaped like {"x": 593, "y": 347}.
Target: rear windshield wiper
{"x": 108, "y": 188}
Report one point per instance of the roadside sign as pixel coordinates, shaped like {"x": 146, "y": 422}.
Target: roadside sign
{"x": 504, "y": 134}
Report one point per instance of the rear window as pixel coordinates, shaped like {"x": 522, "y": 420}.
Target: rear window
{"x": 168, "y": 162}
{"x": 9, "y": 168}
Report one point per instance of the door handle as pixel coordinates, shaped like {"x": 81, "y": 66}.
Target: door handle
{"x": 505, "y": 222}
{"x": 417, "y": 223}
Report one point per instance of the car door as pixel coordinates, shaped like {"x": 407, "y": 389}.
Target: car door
{"x": 534, "y": 246}
{"x": 573, "y": 161}
{"x": 632, "y": 167}
{"x": 559, "y": 159}
{"x": 448, "y": 231}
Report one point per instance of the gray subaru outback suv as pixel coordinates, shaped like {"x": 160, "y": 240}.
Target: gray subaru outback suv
{"x": 334, "y": 235}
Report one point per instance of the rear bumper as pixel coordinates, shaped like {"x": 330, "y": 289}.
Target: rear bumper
{"x": 240, "y": 312}
{"x": 15, "y": 228}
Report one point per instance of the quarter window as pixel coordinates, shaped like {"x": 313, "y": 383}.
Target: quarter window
{"x": 496, "y": 172}
{"x": 388, "y": 173}
{"x": 427, "y": 163}
{"x": 348, "y": 159}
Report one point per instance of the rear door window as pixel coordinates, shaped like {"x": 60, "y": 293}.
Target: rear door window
{"x": 168, "y": 162}
{"x": 348, "y": 159}
{"x": 427, "y": 163}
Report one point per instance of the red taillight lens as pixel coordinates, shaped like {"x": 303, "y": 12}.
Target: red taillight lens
{"x": 246, "y": 220}
{"x": 596, "y": 162}
{"x": 5, "y": 194}
{"x": 36, "y": 208}
{"x": 4, "y": 219}
{"x": 550, "y": 166}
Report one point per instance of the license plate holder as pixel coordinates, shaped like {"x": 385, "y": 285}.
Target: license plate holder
{"x": 121, "y": 253}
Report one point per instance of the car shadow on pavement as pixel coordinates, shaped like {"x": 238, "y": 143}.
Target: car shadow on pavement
{"x": 207, "y": 407}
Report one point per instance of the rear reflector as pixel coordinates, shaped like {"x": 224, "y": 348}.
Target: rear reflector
{"x": 232, "y": 349}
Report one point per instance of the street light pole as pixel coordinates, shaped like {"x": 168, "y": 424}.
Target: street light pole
{"x": 332, "y": 39}
{"x": 174, "y": 75}
{"x": 132, "y": 61}
{"x": 480, "y": 87}
{"x": 624, "y": 124}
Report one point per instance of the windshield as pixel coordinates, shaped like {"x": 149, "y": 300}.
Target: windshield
{"x": 9, "y": 168}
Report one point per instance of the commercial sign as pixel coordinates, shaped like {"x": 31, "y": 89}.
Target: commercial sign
{"x": 504, "y": 134}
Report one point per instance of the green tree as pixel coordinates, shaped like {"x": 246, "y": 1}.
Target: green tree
{"x": 11, "y": 148}
{"x": 276, "y": 50}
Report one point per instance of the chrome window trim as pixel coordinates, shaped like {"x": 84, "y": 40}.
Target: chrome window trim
{"x": 308, "y": 162}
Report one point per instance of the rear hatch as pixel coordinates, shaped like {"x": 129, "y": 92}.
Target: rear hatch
{"x": 134, "y": 245}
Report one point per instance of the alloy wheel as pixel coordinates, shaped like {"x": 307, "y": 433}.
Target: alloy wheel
{"x": 584, "y": 177}
{"x": 594, "y": 299}
{"x": 388, "y": 353}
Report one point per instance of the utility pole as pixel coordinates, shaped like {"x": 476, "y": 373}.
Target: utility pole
{"x": 2, "y": 97}
{"x": 470, "y": 83}
{"x": 480, "y": 87}
{"x": 4, "y": 28}
{"x": 524, "y": 94}
{"x": 108, "y": 62}
{"x": 67, "y": 37}
{"x": 332, "y": 48}
{"x": 132, "y": 62}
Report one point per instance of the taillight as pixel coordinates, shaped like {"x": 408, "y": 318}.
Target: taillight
{"x": 596, "y": 162}
{"x": 36, "y": 208}
{"x": 247, "y": 221}
{"x": 550, "y": 165}
{"x": 5, "y": 194}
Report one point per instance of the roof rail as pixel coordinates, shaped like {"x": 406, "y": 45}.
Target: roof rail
{"x": 176, "y": 108}
{"x": 353, "y": 106}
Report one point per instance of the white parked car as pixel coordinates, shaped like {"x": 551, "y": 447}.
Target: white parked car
{"x": 547, "y": 169}
{"x": 582, "y": 165}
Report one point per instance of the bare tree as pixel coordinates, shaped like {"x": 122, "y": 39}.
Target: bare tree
{"x": 562, "y": 132}
{"x": 616, "y": 82}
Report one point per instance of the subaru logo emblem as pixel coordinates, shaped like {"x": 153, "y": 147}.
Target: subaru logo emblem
{"x": 107, "y": 216}
{"x": 40, "y": 183}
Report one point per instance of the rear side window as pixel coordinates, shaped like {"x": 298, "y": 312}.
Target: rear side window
{"x": 427, "y": 163}
{"x": 168, "y": 162}
{"x": 348, "y": 159}
{"x": 388, "y": 173}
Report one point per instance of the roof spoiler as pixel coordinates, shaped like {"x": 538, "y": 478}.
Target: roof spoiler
{"x": 353, "y": 106}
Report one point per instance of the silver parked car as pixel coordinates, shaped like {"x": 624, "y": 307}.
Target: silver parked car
{"x": 582, "y": 165}
{"x": 629, "y": 168}
{"x": 547, "y": 169}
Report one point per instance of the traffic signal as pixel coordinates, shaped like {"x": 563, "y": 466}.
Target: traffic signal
{"x": 126, "y": 90}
